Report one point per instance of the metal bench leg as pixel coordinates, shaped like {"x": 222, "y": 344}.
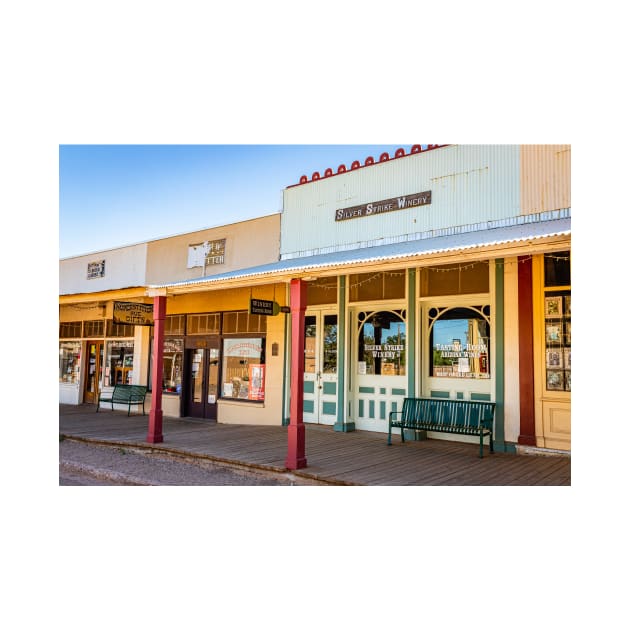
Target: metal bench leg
{"x": 389, "y": 436}
{"x": 481, "y": 445}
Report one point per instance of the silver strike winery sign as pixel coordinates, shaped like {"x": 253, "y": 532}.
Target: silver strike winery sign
{"x": 387, "y": 205}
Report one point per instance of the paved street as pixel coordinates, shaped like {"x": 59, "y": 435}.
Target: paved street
{"x": 84, "y": 464}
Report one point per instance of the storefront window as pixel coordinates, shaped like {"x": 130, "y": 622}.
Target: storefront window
{"x": 119, "y": 363}
{"x": 173, "y": 366}
{"x": 69, "y": 361}
{"x": 382, "y": 343}
{"x": 558, "y": 321}
{"x": 385, "y": 285}
{"x": 460, "y": 342}
{"x": 243, "y": 375}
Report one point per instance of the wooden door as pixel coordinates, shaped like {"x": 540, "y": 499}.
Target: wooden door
{"x": 94, "y": 371}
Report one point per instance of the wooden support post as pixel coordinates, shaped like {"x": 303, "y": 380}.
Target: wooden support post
{"x": 526, "y": 352}
{"x": 155, "y": 415}
{"x": 296, "y": 450}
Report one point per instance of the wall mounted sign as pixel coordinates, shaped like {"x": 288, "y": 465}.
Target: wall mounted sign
{"x": 134, "y": 313}
{"x": 387, "y": 205}
{"x": 96, "y": 269}
{"x": 206, "y": 254}
{"x": 263, "y": 307}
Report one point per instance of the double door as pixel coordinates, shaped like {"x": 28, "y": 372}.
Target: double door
{"x": 320, "y": 367}
{"x": 202, "y": 378}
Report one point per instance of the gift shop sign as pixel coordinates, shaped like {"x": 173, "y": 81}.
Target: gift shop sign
{"x": 386, "y": 205}
{"x": 133, "y": 313}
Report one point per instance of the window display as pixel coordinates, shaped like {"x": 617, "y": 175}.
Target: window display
{"x": 119, "y": 363}
{"x": 557, "y": 305}
{"x": 243, "y": 374}
{"x": 69, "y": 361}
{"x": 172, "y": 365}
{"x": 460, "y": 342}
{"x": 382, "y": 343}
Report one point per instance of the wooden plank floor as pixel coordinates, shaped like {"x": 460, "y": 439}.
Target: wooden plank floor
{"x": 356, "y": 458}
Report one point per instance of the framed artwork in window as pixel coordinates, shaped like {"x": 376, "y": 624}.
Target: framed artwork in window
{"x": 553, "y": 306}
{"x": 567, "y": 380}
{"x": 553, "y": 332}
{"x": 567, "y": 358}
{"x": 567, "y": 306}
{"x": 554, "y": 358}
{"x": 555, "y": 379}
{"x": 567, "y": 333}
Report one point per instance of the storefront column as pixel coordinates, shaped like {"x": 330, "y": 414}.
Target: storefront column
{"x": 296, "y": 451}
{"x": 411, "y": 333}
{"x": 499, "y": 327}
{"x": 155, "y": 415}
{"x": 527, "y": 434}
{"x": 341, "y": 424}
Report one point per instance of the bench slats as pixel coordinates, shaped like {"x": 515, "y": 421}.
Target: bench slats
{"x": 465, "y": 417}
{"x": 125, "y": 395}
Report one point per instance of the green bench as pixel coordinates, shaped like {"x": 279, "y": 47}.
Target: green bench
{"x": 465, "y": 417}
{"x": 125, "y": 395}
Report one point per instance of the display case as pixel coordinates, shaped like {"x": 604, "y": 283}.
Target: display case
{"x": 558, "y": 340}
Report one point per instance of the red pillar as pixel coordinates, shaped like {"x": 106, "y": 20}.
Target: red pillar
{"x": 155, "y": 416}
{"x": 526, "y": 352}
{"x": 296, "y": 451}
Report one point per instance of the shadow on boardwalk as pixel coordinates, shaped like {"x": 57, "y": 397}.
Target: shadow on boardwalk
{"x": 356, "y": 458}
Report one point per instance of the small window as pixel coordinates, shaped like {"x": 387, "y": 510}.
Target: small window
{"x": 243, "y": 322}
{"x": 93, "y": 328}
{"x": 558, "y": 269}
{"x": 204, "y": 324}
{"x": 321, "y": 291}
{"x": 119, "y": 363}
{"x": 460, "y": 279}
{"x": 68, "y": 330}
{"x": 385, "y": 285}
{"x": 119, "y": 330}
{"x": 174, "y": 324}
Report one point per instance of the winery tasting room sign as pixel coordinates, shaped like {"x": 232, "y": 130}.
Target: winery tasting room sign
{"x": 387, "y": 205}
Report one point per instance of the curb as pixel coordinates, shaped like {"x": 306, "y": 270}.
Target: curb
{"x": 232, "y": 463}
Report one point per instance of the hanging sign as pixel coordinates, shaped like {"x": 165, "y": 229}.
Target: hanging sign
{"x": 387, "y": 205}
{"x": 263, "y": 307}
{"x": 134, "y": 313}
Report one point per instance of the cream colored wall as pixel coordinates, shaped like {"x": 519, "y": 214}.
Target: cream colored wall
{"x": 248, "y": 243}
{"x": 124, "y": 267}
{"x": 512, "y": 417}
{"x": 545, "y": 177}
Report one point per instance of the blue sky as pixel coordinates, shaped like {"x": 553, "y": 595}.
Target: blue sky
{"x": 114, "y": 195}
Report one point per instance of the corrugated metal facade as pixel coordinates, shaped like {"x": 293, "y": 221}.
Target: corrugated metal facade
{"x": 468, "y": 184}
{"x": 545, "y": 177}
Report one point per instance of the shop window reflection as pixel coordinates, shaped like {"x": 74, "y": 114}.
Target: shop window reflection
{"x": 382, "y": 343}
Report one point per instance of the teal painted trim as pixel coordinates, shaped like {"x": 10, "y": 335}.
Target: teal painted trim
{"x": 383, "y": 391}
{"x": 474, "y": 396}
{"x": 361, "y": 408}
{"x": 499, "y": 327}
{"x": 309, "y": 406}
{"x": 509, "y": 447}
{"x": 435, "y": 393}
{"x": 460, "y": 395}
{"x": 382, "y": 410}
{"x": 371, "y": 408}
{"x": 399, "y": 392}
{"x": 345, "y": 428}
{"x": 329, "y": 408}
{"x": 367, "y": 390}
{"x": 394, "y": 406}
{"x": 330, "y": 388}
{"x": 341, "y": 352}
{"x": 285, "y": 375}
{"x": 411, "y": 332}
{"x": 309, "y": 387}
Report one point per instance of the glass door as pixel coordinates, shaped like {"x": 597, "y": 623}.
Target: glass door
{"x": 202, "y": 376}
{"x": 320, "y": 367}
{"x": 94, "y": 371}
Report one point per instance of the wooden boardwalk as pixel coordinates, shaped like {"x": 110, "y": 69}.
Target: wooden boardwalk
{"x": 356, "y": 458}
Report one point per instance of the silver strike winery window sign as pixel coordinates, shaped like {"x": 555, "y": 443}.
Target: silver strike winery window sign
{"x": 386, "y": 205}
